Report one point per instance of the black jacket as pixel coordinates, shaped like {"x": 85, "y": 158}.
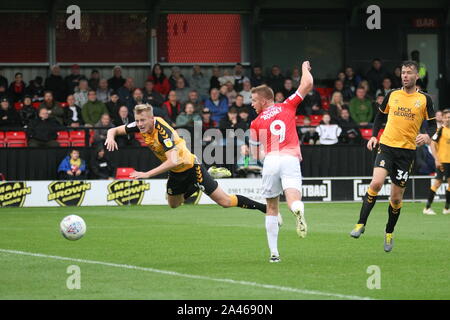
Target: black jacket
{"x": 27, "y": 114}
{"x": 68, "y": 114}
{"x": 58, "y": 86}
{"x": 12, "y": 119}
{"x": 101, "y": 168}
{"x": 43, "y": 130}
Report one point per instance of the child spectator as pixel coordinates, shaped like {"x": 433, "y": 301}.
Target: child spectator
{"x": 72, "y": 167}
{"x": 328, "y": 133}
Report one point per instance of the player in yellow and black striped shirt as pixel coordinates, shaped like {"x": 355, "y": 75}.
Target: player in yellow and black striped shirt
{"x": 186, "y": 175}
{"x": 441, "y": 152}
{"x": 403, "y": 110}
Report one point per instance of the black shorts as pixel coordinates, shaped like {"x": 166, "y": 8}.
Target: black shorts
{"x": 398, "y": 162}
{"x": 445, "y": 174}
{"x": 180, "y": 182}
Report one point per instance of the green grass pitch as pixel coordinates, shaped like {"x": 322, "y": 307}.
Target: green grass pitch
{"x": 208, "y": 247}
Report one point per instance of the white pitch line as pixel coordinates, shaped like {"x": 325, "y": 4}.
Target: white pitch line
{"x": 190, "y": 276}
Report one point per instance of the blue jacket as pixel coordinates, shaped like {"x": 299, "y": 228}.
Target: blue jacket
{"x": 217, "y": 112}
{"x": 65, "y": 165}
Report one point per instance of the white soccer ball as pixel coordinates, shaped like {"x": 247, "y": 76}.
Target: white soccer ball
{"x": 73, "y": 227}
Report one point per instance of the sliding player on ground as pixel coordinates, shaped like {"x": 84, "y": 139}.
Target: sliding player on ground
{"x": 274, "y": 138}
{"x": 440, "y": 147}
{"x": 404, "y": 109}
{"x": 186, "y": 175}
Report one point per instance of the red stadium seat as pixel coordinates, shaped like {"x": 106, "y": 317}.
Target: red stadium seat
{"x": 18, "y": 105}
{"x": 16, "y": 139}
{"x": 124, "y": 173}
{"x": 64, "y": 104}
{"x": 299, "y": 120}
{"x": 36, "y": 105}
{"x": 315, "y": 119}
{"x": 366, "y": 133}
{"x": 140, "y": 139}
{"x": 91, "y": 137}
{"x": 77, "y": 138}
{"x": 63, "y": 139}
{"x": 380, "y": 133}
{"x": 2, "y": 139}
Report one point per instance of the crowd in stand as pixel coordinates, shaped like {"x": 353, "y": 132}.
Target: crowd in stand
{"x": 222, "y": 101}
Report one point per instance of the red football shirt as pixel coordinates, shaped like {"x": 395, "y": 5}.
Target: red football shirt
{"x": 275, "y": 128}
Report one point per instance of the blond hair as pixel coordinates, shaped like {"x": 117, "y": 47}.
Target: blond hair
{"x": 264, "y": 91}
{"x": 138, "y": 109}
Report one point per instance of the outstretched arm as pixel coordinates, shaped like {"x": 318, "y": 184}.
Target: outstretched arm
{"x": 110, "y": 142}
{"x": 170, "y": 163}
{"x": 306, "y": 82}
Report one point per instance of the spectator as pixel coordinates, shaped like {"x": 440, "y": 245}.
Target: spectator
{"x": 175, "y": 75}
{"x": 365, "y": 84}
{"x": 124, "y": 118}
{"x": 94, "y": 79}
{"x": 276, "y": 79}
{"x": 239, "y": 77}
{"x": 113, "y": 105}
{"x": 247, "y": 166}
{"x": 101, "y": 167}
{"x": 126, "y": 93}
{"x": 328, "y": 133}
{"x": 42, "y": 132}
{"x": 311, "y": 104}
{"x": 288, "y": 87}
{"x": 336, "y": 105}
{"x": 151, "y": 95}
{"x": 9, "y": 118}
{"x": 182, "y": 91}
{"x": 73, "y": 79}
{"x": 116, "y": 81}
{"x": 295, "y": 76}
{"x": 72, "y": 167}
{"x": 423, "y": 72}
{"x": 351, "y": 81}
{"x": 230, "y": 93}
{"x": 244, "y": 116}
{"x": 386, "y": 87}
{"x": 100, "y": 134}
{"x": 93, "y": 110}
{"x": 307, "y": 133}
{"x": 207, "y": 122}
{"x": 239, "y": 105}
{"x": 172, "y": 107}
{"x": 3, "y": 80}
{"x": 17, "y": 88}
{"x": 188, "y": 117}
{"x": 279, "y": 97}
{"x": 257, "y": 77}
{"x": 56, "y": 84}
{"x": 377, "y": 103}
{"x": 103, "y": 92}
{"x": 397, "y": 78}
{"x": 246, "y": 92}
{"x": 199, "y": 82}
{"x": 138, "y": 98}
{"x": 350, "y": 129}
{"x": 341, "y": 76}
{"x": 28, "y": 112}
{"x": 160, "y": 80}
{"x": 375, "y": 75}
{"x": 54, "y": 109}
{"x": 227, "y": 77}
{"x": 3, "y": 93}
{"x": 216, "y": 105}
{"x": 81, "y": 96}
{"x": 196, "y": 101}
{"x": 214, "y": 80}
{"x": 361, "y": 108}
{"x": 35, "y": 89}
{"x": 229, "y": 124}
{"x": 72, "y": 113}
{"x": 346, "y": 92}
